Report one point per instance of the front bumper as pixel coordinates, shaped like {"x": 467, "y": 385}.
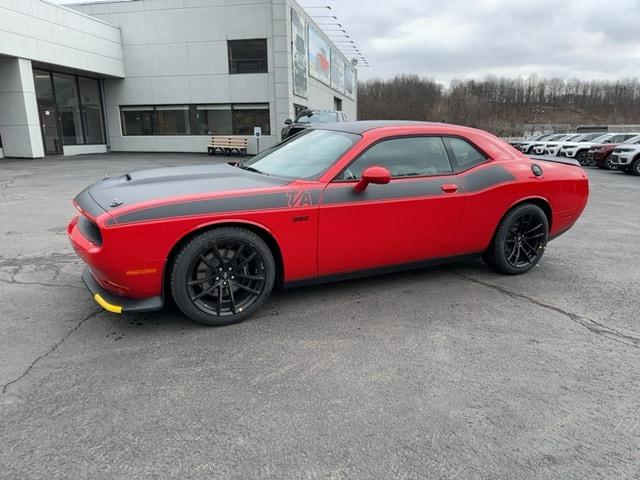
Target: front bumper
{"x": 568, "y": 153}
{"x": 621, "y": 159}
{"x": 553, "y": 151}
{"x": 117, "y": 304}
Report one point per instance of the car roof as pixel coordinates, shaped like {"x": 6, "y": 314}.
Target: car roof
{"x": 362, "y": 126}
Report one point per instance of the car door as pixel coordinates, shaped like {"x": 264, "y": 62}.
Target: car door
{"x": 413, "y": 218}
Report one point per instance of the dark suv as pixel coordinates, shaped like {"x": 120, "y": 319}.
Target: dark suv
{"x": 306, "y": 118}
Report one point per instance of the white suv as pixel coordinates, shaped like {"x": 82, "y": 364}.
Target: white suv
{"x": 526, "y": 145}
{"x": 530, "y": 147}
{"x": 580, "y": 150}
{"x": 553, "y": 148}
{"x": 627, "y": 158}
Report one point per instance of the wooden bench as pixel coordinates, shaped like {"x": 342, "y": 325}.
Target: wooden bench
{"x": 227, "y": 145}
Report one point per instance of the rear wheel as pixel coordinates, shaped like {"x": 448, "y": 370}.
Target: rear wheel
{"x": 222, "y": 276}
{"x": 583, "y": 158}
{"x": 519, "y": 241}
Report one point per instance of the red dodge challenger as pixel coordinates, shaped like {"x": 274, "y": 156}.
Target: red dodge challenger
{"x": 334, "y": 202}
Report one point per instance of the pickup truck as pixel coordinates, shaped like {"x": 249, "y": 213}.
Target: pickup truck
{"x": 307, "y": 118}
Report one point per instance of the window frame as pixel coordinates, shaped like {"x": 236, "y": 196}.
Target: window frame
{"x": 193, "y": 124}
{"x": 455, "y": 169}
{"x": 229, "y": 59}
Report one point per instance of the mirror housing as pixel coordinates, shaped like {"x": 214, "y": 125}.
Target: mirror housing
{"x": 288, "y": 121}
{"x": 376, "y": 175}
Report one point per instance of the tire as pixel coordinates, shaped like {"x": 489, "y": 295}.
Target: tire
{"x": 519, "y": 241}
{"x": 583, "y": 158}
{"x": 222, "y": 276}
{"x": 607, "y": 165}
{"x": 635, "y": 167}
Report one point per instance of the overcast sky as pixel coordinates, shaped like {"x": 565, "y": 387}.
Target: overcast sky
{"x": 446, "y": 39}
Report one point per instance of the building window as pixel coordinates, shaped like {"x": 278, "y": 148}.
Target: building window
{"x": 239, "y": 119}
{"x": 137, "y": 120}
{"x": 298, "y": 109}
{"x": 44, "y": 87}
{"x": 245, "y": 117}
{"x": 67, "y": 101}
{"x": 337, "y": 104}
{"x": 172, "y": 120}
{"x": 213, "y": 120}
{"x": 91, "y": 110}
{"x": 247, "y": 56}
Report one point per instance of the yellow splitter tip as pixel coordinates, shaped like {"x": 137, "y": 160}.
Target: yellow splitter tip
{"x": 109, "y": 307}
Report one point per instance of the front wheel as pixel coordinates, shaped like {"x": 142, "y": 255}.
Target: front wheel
{"x": 222, "y": 276}
{"x": 635, "y": 167}
{"x": 608, "y": 164}
{"x": 519, "y": 241}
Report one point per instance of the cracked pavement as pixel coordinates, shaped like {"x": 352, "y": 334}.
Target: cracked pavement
{"x": 454, "y": 372}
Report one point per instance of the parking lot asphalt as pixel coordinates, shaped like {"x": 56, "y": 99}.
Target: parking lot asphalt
{"x": 452, "y": 372}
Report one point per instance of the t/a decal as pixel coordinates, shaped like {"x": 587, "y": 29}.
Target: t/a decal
{"x": 300, "y": 198}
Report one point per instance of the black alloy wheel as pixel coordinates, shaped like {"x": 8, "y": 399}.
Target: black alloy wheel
{"x": 519, "y": 241}
{"x": 222, "y": 276}
{"x": 635, "y": 167}
{"x": 583, "y": 158}
{"x": 524, "y": 240}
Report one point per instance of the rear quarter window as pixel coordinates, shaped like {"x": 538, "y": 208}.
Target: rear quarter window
{"x": 464, "y": 154}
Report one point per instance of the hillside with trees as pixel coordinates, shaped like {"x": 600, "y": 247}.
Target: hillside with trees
{"x": 504, "y": 106}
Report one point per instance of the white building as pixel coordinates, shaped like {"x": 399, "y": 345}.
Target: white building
{"x": 160, "y": 75}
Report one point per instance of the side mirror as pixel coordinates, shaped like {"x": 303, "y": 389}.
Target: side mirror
{"x": 288, "y": 121}
{"x": 377, "y": 175}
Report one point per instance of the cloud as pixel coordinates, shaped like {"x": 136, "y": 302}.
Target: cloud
{"x": 465, "y": 38}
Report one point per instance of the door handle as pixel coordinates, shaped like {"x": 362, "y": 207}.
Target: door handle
{"x": 449, "y": 188}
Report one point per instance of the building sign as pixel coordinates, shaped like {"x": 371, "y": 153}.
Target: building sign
{"x": 300, "y": 54}
{"x": 350, "y": 80}
{"x": 319, "y": 56}
{"x": 337, "y": 71}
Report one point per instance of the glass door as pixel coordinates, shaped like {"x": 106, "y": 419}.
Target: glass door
{"x": 49, "y": 127}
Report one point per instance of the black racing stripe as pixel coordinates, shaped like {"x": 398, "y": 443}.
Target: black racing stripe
{"x": 398, "y": 189}
{"x": 485, "y": 177}
{"x": 88, "y": 204}
{"x": 286, "y": 199}
{"x": 470, "y": 182}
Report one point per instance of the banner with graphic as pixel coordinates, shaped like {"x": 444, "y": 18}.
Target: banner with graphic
{"x": 319, "y": 56}
{"x": 337, "y": 71}
{"x": 300, "y": 54}
{"x": 350, "y": 80}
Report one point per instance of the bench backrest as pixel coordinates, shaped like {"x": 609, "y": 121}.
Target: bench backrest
{"x": 218, "y": 141}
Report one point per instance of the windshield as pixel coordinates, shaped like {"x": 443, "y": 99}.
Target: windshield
{"x": 601, "y": 138}
{"x": 591, "y": 136}
{"x": 306, "y": 155}
{"x": 318, "y": 117}
{"x": 633, "y": 140}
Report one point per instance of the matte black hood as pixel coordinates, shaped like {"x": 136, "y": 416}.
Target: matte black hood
{"x": 159, "y": 183}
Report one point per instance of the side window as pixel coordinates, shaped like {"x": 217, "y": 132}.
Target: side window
{"x": 403, "y": 157}
{"x": 465, "y": 154}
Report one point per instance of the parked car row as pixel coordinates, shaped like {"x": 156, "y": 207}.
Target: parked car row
{"x": 610, "y": 151}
